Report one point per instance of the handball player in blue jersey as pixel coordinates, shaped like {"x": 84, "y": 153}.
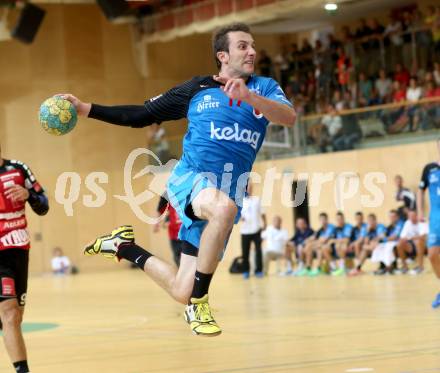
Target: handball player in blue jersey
{"x": 227, "y": 119}
{"x": 431, "y": 180}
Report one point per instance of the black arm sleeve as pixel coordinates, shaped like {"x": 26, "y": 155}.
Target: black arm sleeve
{"x": 171, "y": 105}
{"x": 38, "y": 202}
{"x": 136, "y": 116}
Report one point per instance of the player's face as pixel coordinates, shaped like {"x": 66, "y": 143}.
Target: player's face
{"x": 339, "y": 220}
{"x": 240, "y": 60}
{"x": 371, "y": 221}
{"x": 323, "y": 220}
{"x": 393, "y": 217}
{"x": 301, "y": 224}
{"x": 359, "y": 219}
{"x": 412, "y": 216}
{"x": 277, "y": 222}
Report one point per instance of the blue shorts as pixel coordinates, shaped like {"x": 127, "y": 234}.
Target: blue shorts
{"x": 433, "y": 238}
{"x": 183, "y": 186}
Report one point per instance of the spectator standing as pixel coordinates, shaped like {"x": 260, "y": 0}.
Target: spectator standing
{"x": 253, "y": 220}
{"x": 344, "y": 68}
{"x": 404, "y": 195}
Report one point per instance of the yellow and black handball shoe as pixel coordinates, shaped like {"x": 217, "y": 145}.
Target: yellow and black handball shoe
{"x": 198, "y": 316}
{"x": 108, "y": 245}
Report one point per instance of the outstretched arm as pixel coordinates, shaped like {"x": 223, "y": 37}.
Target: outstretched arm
{"x": 124, "y": 115}
{"x": 171, "y": 105}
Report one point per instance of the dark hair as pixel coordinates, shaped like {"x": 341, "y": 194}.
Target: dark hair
{"x": 323, "y": 215}
{"x": 359, "y": 213}
{"x": 340, "y": 213}
{"x": 394, "y": 212}
{"x": 220, "y": 38}
{"x": 372, "y": 216}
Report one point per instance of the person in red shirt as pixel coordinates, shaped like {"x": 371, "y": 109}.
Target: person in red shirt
{"x": 344, "y": 68}
{"x": 401, "y": 75}
{"x": 174, "y": 224}
{"x": 17, "y": 186}
{"x": 431, "y": 112}
{"x": 399, "y": 91}
{"x": 396, "y": 119}
{"x": 431, "y": 90}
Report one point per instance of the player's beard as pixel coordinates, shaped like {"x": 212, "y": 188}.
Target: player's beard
{"x": 246, "y": 73}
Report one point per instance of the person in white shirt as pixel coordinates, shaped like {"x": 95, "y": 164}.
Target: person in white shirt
{"x": 330, "y": 129}
{"x": 413, "y": 94}
{"x": 275, "y": 242}
{"x": 60, "y": 263}
{"x": 332, "y": 121}
{"x": 412, "y": 242}
{"x": 253, "y": 220}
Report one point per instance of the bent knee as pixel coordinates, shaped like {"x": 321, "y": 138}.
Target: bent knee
{"x": 182, "y": 294}
{"x": 224, "y": 212}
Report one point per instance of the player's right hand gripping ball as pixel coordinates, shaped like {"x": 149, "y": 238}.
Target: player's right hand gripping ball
{"x": 57, "y": 116}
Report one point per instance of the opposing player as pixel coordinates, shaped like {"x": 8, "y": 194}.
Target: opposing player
{"x": 228, "y": 115}
{"x": 431, "y": 181}
{"x": 17, "y": 186}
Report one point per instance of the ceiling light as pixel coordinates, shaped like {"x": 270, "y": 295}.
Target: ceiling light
{"x": 330, "y": 6}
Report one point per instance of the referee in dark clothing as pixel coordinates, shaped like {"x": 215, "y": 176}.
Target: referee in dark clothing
{"x": 406, "y": 196}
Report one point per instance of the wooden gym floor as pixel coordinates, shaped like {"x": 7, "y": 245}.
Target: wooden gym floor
{"x": 121, "y": 322}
